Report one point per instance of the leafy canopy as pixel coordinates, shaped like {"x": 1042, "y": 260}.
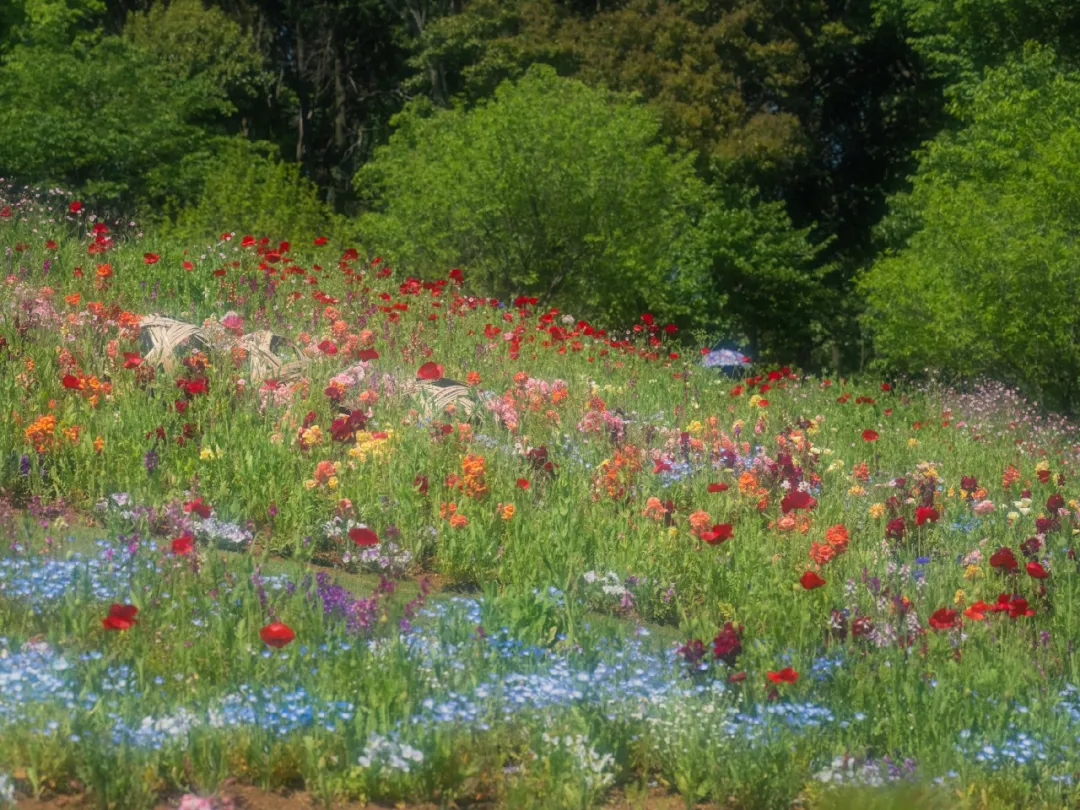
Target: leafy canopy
{"x": 984, "y": 279}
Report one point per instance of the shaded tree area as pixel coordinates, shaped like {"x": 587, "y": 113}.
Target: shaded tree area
{"x": 799, "y": 121}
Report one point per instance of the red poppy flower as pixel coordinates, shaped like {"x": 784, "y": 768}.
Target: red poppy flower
{"x": 328, "y": 347}
{"x": 895, "y": 528}
{"x": 132, "y": 360}
{"x": 926, "y": 514}
{"x": 1003, "y": 559}
{"x": 363, "y": 536}
{"x": 320, "y": 241}
{"x": 421, "y": 484}
{"x": 886, "y": 387}
{"x": 811, "y": 580}
{"x": 184, "y": 544}
{"x": 718, "y": 534}
{"x": 75, "y": 206}
{"x": 151, "y": 258}
{"x": 786, "y": 675}
{"x": 121, "y": 617}
{"x": 367, "y": 354}
{"x": 1019, "y": 607}
{"x": 870, "y": 435}
{"x": 523, "y": 483}
{"x": 943, "y": 619}
{"x": 197, "y": 507}
{"x": 277, "y": 634}
{"x": 662, "y": 466}
{"x": 72, "y": 382}
{"x": 430, "y": 371}
{"x": 721, "y": 487}
{"x": 1036, "y": 571}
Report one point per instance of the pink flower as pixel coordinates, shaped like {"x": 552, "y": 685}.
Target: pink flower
{"x": 984, "y": 507}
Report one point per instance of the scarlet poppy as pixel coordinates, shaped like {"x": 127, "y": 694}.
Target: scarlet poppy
{"x": 328, "y": 347}
{"x": 1036, "y": 571}
{"x": 320, "y": 241}
{"x": 151, "y": 258}
{"x": 786, "y": 675}
{"x": 72, "y": 382}
{"x": 430, "y": 371}
{"x": 721, "y": 487}
{"x": 132, "y": 360}
{"x": 277, "y": 634}
{"x": 74, "y": 206}
{"x": 363, "y": 536}
{"x": 197, "y": 507}
{"x": 886, "y": 387}
{"x": 1019, "y": 607}
{"x": 718, "y": 534}
{"x": 926, "y": 514}
{"x": 523, "y": 483}
{"x": 662, "y": 466}
{"x": 977, "y": 611}
{"x": 367, "y": 354}
{"x": 183, "y": 545}
{"x": 121, "y": 617}
{"x": 811, "y": 580}
{"x": 943, "y": 619}
{"x": 870, "y": 435}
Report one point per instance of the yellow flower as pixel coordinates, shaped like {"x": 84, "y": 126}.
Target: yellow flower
{"x": 835, "y": 466}
{"x": 912, "y": 442}
{"x": 310, "y": 484}
{"x": 754, "y": 400}
{"x": 972, "y": 572}
{"x": 960, "y": 597}
{"x": 206, "y": 454}
{"x": 672, "y": 531}
{"x": 694, "y": 428}
{"x": 877, "y": 511}
{"x": 332, "y": 482}
{"x": 856, "y": 490}
{"x": 312, "y": 436}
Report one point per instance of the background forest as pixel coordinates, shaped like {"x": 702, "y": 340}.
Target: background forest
{"x": 837, "y": 183}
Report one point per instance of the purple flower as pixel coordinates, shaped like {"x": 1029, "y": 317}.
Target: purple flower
{"x": 150, "y": 461}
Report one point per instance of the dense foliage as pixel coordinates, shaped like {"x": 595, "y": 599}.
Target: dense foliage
{"x": 801, "y": 139}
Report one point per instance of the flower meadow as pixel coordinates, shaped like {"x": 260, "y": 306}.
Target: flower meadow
{"x": 619, "y": 574}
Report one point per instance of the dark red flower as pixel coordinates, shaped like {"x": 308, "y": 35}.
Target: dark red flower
{"x": 421, "y": 484}
{"x": 328, "y": 347}
{"x": 886, "y": 387}
{"x": 786, "y": 675}
{"x": 721, "y": 487}
{"x": 870, "y": 435}
{"x": 1036, "y": 571}
{"x": 367, "y": 354}
{"x": 811, "y": 580}
{"x": 968, "y": 483}
{"x": 197, "y": 507}
{"x": 1054, "y": 503}
{"x": 926, "y": 514}
{"x": 184, "y": 544}
{"x": 132, "y": 360}
{"x": 718, "y": 534}
{"x": 277, "y": 634}
{"x": 727, "y": 644}
{"x": 1003, "y": 559}
{"x": 895, "y": 528}
{"x": 363, "y": 536}
{"x": 523, "y": 483}
{"x": 797, "y": 499}
{"x": 693, "y": 651}
{"x": 944, "y": 619}
{"x": 1019, "y": 607}
{"x": 121, "y": 617}
{"x": 430, "y": 371}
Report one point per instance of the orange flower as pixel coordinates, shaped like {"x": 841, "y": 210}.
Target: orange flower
{"x": 472, "y": 378}
{"x": 72, "y": 433}
{"x": 748, "y": 483}
{"x": 654, "y": 509}
{"x": 458, "y": 521}
{"x": 507, "y": 511}
{"x": 99, "y": 444}
{"x": 1010, "y": 476}
{"x": 40, "y": 432}
{"x": 861, "y": 471}
{"x": 821, "y": 553}
{"x": 472, "y": 480}
{"x": 104, "y": 271}
{"x": 837, "y": 536}
{"x": 700, "y": 520}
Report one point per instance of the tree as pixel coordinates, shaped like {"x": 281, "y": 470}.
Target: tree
{"x": 566, "y": 192}
{"x": 983, "y": 275}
